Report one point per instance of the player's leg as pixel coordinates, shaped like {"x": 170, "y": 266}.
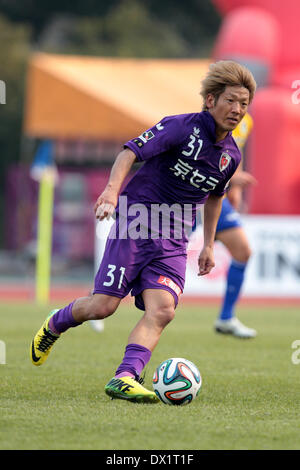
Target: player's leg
{"x": 159, "y": 311}
{"x": 236, "y": 241}
{"x": 110, "y": 286}
{"x": 156, "y": 291}
{"x": 97, "y": 306}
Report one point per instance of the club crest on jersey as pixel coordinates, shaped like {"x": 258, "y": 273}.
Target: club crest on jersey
{"x": 224, "y": 161}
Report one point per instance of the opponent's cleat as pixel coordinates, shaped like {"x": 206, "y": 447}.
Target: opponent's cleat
{"x": 127, "y": 388}
{"x": 42, "y": 342}
{"x": 97, "y": 325}
{"x": 234, "y": 327}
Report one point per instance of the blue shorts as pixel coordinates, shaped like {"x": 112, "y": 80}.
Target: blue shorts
{"x": 229, "y": 218}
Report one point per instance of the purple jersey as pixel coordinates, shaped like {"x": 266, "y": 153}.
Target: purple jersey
{"x": 183, "y": 163}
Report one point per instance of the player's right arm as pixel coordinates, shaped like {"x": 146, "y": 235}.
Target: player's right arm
{"x": 155, "y": 141}
{"x": 108, "y": 199}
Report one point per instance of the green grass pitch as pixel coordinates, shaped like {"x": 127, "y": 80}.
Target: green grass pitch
{"x": 250, "y": 397}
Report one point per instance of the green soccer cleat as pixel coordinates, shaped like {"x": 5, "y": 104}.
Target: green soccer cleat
{"x": 42, "y": 342}
{"x": 127, "y": 388}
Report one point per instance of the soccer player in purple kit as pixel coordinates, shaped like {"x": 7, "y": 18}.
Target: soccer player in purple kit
{"x": 187, "y": 160}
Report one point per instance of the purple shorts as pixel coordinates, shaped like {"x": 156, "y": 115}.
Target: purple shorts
{"x": 135, "y": 265}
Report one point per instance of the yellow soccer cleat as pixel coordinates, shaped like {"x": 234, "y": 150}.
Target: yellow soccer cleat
{"x": 42, "y": 342}
{"x": 127, "y": 388}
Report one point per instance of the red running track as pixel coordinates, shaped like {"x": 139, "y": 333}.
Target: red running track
{"x": 67, "y": 293}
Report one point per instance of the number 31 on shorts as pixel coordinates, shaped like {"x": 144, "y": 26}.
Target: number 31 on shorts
{"x": 111, "y": 274}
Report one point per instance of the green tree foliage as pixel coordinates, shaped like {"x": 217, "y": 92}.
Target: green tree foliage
{"x": 195, "y": 21}
{"x": 14, "y": 53}
{"x": 38, "y": 14}
{"x": 128, "y": 30}
{"x": 141, "y": 28}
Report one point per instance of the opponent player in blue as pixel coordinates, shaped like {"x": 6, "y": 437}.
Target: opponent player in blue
{"x": 230, "y": 232}
{"x": 187, "y": 160}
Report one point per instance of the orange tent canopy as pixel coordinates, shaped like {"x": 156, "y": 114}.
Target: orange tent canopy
{"x": 108, "y": 99}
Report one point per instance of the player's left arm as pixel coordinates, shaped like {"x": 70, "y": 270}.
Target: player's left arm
{"x": 212, "y": 210}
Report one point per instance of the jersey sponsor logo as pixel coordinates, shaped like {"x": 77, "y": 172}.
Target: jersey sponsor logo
{"x": 146, "y": 136}
{"x": 224, "y": 161}
{"x": 159, "y": 126}
{"x": 183, "y": 169}
{"x": 165, "y": 281}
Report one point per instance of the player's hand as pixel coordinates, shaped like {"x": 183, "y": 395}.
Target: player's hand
{"x": 235, "y": 196}
{"x": 206, "y": 261}
{"x": 106, "y": 204}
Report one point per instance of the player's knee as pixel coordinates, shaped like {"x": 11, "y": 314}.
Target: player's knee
{"x": 243, "y": 254}
{"x": 100, "y": 309}
{"x": 246, "y": 254}
{"x": 165, "y": 314}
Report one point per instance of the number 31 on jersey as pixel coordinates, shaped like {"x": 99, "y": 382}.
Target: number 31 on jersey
{"x": 112, "y": 275}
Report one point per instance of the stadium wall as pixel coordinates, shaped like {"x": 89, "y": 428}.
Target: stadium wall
{"x": 273, "y": 269}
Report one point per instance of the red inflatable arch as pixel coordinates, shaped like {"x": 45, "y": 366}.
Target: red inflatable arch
{"x": 264, "y": 35}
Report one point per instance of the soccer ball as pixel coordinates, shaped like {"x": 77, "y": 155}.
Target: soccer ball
{"x": 177, "y": 381}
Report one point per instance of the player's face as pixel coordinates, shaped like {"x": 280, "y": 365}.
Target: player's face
{"x": 229, "y": 109}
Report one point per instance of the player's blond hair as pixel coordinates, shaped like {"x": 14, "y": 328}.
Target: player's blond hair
{"x": 226, "y": 73}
